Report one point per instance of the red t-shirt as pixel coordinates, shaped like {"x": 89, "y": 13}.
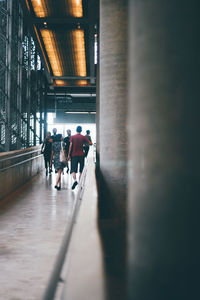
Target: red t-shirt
{"x": 77, "y": 141}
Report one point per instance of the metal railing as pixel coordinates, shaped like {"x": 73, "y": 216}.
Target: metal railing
{"x": 7, "y": 162}
{"x": 19, "y": 163}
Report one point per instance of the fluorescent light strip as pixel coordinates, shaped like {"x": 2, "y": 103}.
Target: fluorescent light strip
{"x": 79, "y": 53}
{"x": 52, "y": 52}
{"x": 61, "y": 82}
{"x": 75, "y": 8}
{"x": 40, "y": 8}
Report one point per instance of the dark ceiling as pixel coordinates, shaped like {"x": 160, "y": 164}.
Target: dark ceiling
{"x": 65, "y": 32}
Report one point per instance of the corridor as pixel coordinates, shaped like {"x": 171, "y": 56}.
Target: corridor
{"x": 33, "y": 221}
{"x": 124, "y": 74}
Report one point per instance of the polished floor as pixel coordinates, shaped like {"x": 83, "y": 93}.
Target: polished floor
{"x": 32, "y": 224}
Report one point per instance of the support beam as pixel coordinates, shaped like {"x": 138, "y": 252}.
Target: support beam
{"x": 8, "y": 74}
{"x": 70, "y": 77}
{"x": 62, "y": 21}
{"x": 19, "y": 77}
{"x": 38, "y": 41}
{"x": 41, "y": 105}
{"x": 35, "y": 97}
{"x": 45, "y": 110}
{"x": 92, "y": 20}
{"x": 28, "y": 91}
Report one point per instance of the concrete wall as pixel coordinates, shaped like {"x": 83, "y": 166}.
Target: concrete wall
{"x": 17, "y": 167}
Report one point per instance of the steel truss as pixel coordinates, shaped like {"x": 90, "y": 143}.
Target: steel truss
{"x": 22, "y": 82}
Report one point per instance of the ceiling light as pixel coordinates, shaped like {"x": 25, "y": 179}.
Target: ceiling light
{"x": 76, "y": 8}
{"x": 60, "y": 82}
{"x": 49, "y": 39}
{"x": 81, "y": 82}
{"x": 40, "y": 8}
{"x": 78, "y": 45}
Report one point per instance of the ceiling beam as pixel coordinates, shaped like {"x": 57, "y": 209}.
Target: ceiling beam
{"x": 53, "y": 20}
{"x": 74, "y": 89}
{"x": 70, "y": 77}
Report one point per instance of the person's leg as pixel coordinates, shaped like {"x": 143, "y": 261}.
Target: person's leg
{"x": 45, "y": 162}
{"x": 67, "y": 171}
{"x": 86, "y": 151}
{"x": 74, "y": 175}
{"x": 49, "y": 165}
{"x": 46, "y": 165}
{"x": 58, "y": 179}
{"x": 59, "y": 182}
{"x": 82, "y": 162}
{"x": 74, "y": 166}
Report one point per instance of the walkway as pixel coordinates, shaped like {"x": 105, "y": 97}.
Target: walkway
{"x": 32, "y": 224}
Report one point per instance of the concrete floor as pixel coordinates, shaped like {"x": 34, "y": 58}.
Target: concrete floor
{"x": 32, "y": 224}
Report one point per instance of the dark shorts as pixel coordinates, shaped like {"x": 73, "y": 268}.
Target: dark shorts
{"x": 75, "y": 160}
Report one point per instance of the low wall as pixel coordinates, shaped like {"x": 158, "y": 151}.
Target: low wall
{"x": 17, "y": 167}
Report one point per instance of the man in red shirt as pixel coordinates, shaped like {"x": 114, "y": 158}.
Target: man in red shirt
{"x": 77, "y": 155}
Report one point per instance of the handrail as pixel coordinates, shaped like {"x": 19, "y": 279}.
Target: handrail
{"x": 55, "y": 276}
{"x": 16, "y": 156}
{"x": 21, "y": 162}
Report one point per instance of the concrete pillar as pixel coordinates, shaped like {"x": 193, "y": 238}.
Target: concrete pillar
{"x": 113, "y": 104}
{"x": 164, "y": 151}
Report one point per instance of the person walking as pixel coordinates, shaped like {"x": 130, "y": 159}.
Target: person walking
{"x": 86, "y": 145}
{"x": 59, "y": 165}
{"x": 67, "y": 144}
{"x": 77, "y": 155}
{"x": 46, "y": 150}
{"x": 56, "y": 137}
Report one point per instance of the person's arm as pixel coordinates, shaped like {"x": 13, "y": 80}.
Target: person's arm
{"x": 42, "y": 149}
{"x": 64, "y": 149}
{"x": 52, "y": 153}
{"x": 88, "y": 141}
{"x": 70, "y": 148}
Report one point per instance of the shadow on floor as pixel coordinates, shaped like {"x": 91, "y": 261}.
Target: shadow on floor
{"x": 112, "y": 232}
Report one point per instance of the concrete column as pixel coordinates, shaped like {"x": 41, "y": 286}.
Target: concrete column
{"x": 113, "y": 104}
{"x": 164, "y": 151}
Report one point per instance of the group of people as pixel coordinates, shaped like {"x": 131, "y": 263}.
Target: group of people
{"x": 60, "y": 151}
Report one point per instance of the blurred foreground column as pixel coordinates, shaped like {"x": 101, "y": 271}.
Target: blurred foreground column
{"x": 163, "y": 148}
